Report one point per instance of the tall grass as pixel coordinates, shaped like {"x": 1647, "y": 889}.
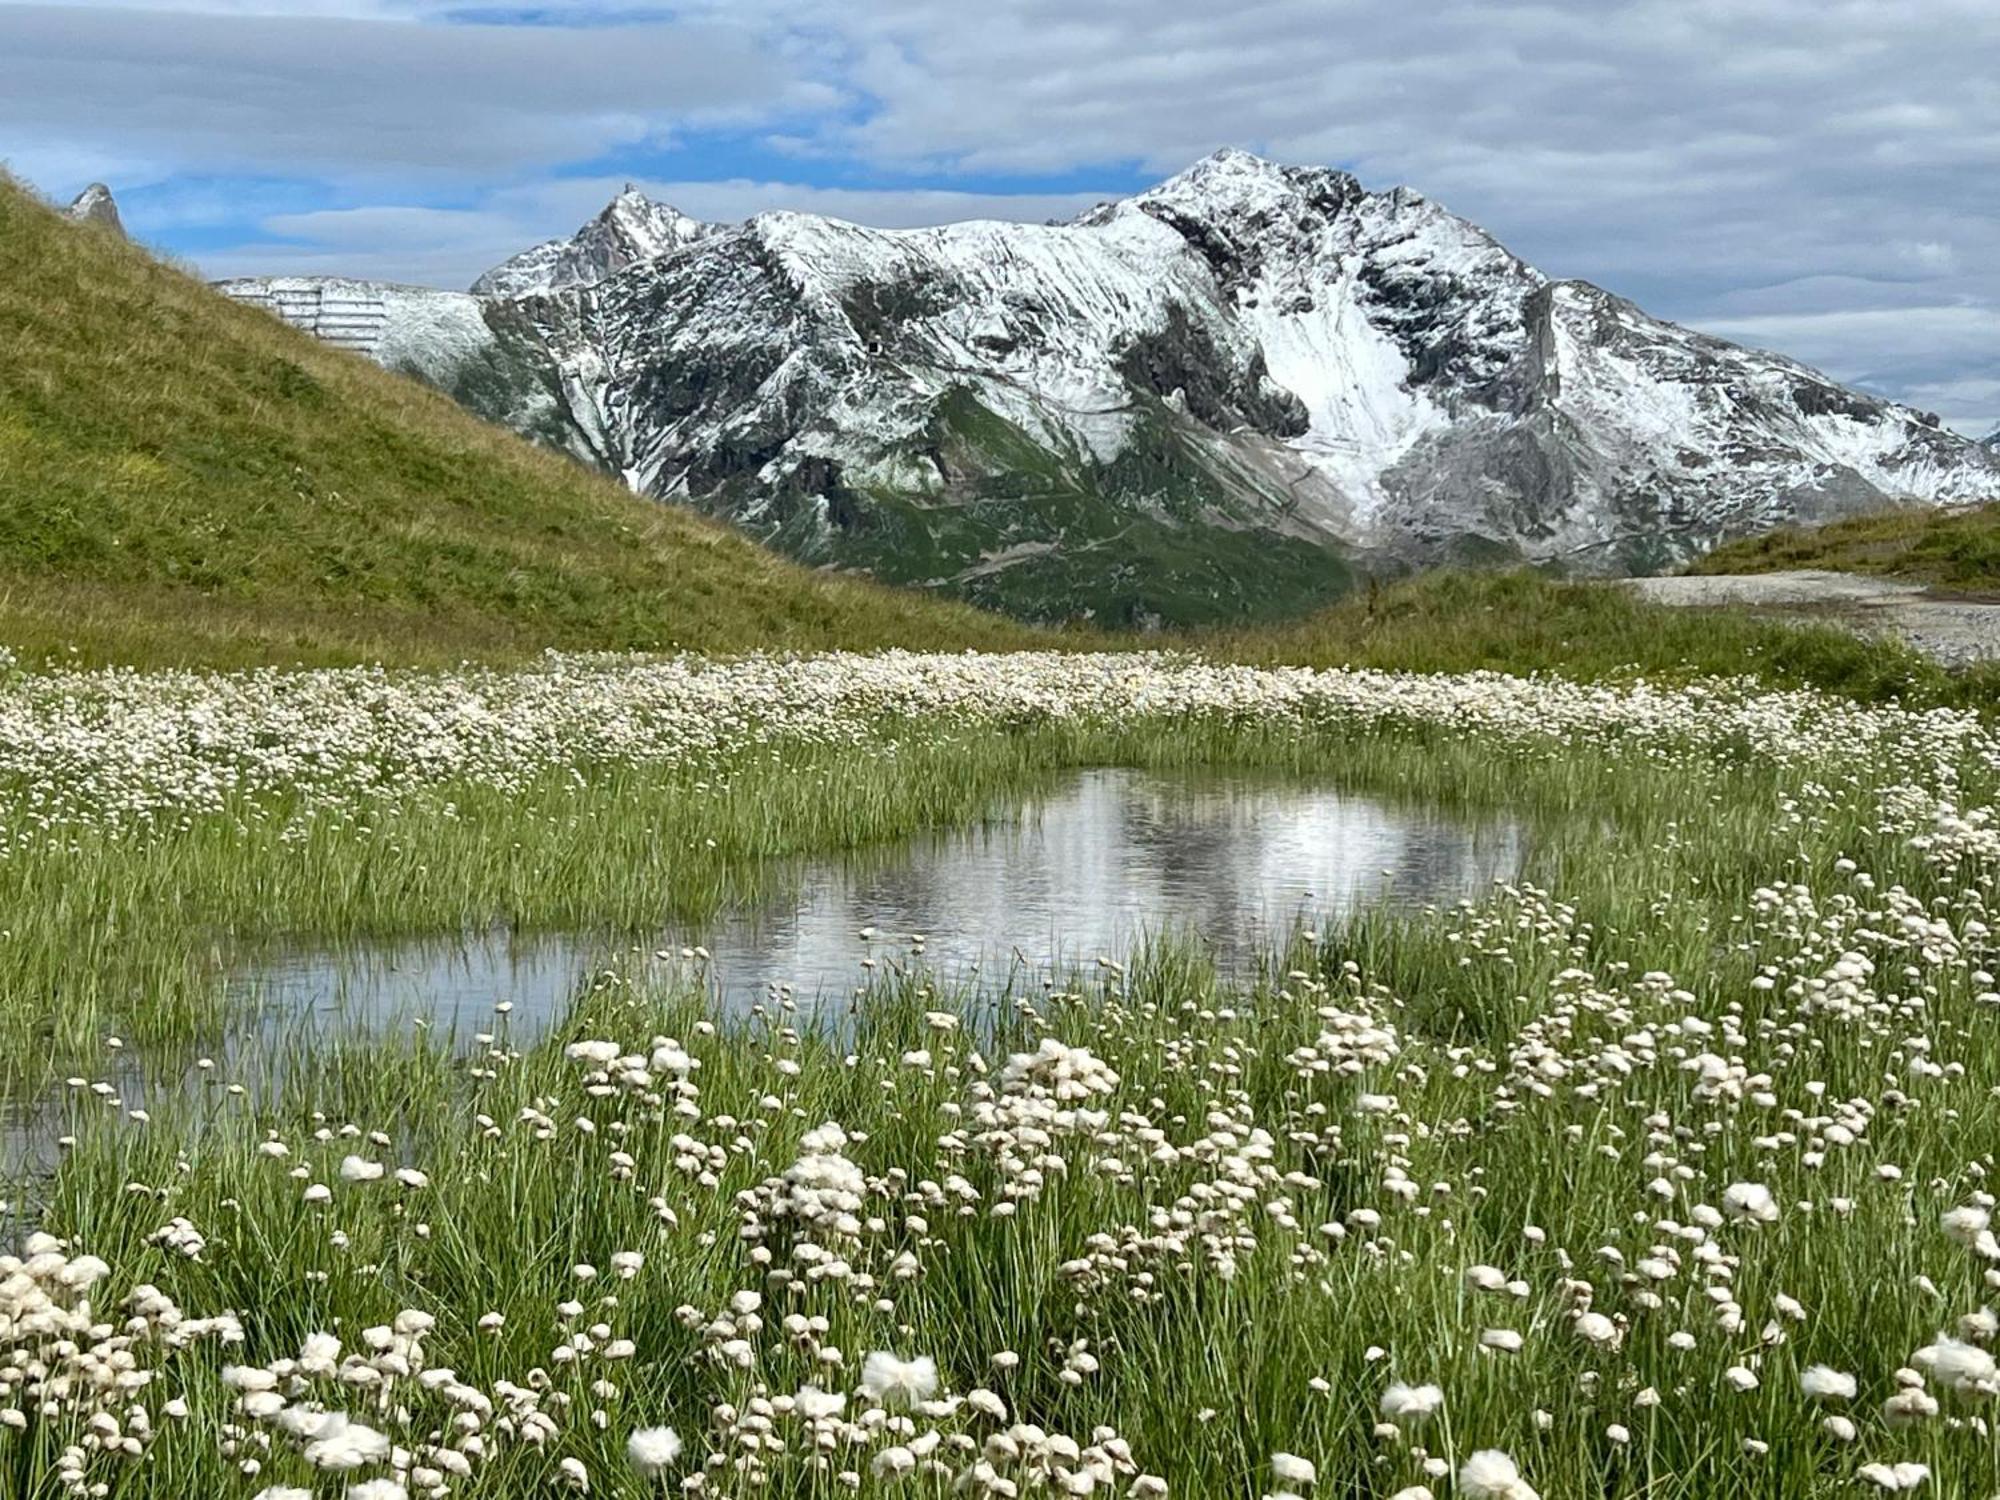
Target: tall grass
{"x": 1225, "y": 1253}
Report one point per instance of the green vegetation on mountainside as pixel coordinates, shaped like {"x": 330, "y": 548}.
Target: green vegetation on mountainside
{"x": 1948, "y": 549}
{"x": 1158, "y": 536}
{"x": 183, "y": 479}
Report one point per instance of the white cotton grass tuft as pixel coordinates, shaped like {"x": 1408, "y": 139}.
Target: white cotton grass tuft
{"x": 1408, "y": 1405}
{"x": 651, "y": 1451}
{"x": 1963, "y": 1367}
{"x": 1750, "y": 1203}
{"x": 1595, "y": 1328}
{"x": 1963, "y": 1225}
{"x": 1904, "y": 1476}
{"x": 812, "y": 1403}
{"x": 1824, "y": 1383}
{"x": 377, "y": 1489}
{"x": 334, "y": 1441}
{"x": 1491, "y": 1475}
{"x": 1289, "y": 1468}
{"x": 888, "y": 1377}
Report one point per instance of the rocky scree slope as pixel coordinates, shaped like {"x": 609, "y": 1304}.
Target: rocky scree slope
{"x": 1218, "y": 398}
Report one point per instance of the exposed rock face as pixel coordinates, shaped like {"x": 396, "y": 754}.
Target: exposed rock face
{"x": 631, "y": 229}
{"x": 1211, "y": 399}
{"x": 95, "y": 205}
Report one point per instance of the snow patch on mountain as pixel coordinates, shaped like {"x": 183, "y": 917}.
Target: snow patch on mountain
{"x": 412, "y": 328}
{"x": 95, "y": 205}
{"x": 632, "y": 228}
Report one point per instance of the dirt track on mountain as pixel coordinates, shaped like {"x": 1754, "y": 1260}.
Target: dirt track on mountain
{"x": 1955, "y": 630}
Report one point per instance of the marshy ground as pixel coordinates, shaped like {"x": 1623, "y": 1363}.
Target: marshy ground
{"x": 1660, "y": 1168}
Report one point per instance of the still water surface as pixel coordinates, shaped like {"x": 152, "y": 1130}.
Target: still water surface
{"x": 1090, "y": 867}
{"x": 1087, "y": 869}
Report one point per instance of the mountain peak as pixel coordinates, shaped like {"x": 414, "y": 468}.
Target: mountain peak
{"x": 95, "y": 205}
{"x": 1235, "y": 173}
{"x": 630, "y": 228}
{"x": 634, "y": 211}
{"x": 1239, "y": 188}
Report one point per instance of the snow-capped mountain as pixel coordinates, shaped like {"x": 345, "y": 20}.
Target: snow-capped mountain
{"x": 631, "y": 229}
{"x": 1217, "y": 397}
{"x": 95, "y": 205}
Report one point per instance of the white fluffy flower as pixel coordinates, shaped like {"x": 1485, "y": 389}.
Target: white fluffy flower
{"x": 338, "y": 1443}
{"x": 812, "y": 1403}
{"x": 1490, "y": 1475}
{"x": 652, "y": 1450}
{"x": 359, "y": 1169}
{"x": 885, "y": 1377}
{"x": 1824, "y": 1383}
{"x": 1895, "y": 1476}
{"x": 1750, "y": 1202}
{"x": 1964, "y": 1367}
{"x": 1595, "y": 1328}
{"x": 670, "y": 1057}
{"x": 1407, "y": 1405}
{"x": 891, "y": 1463}
{"x": 1289, "y": 1468}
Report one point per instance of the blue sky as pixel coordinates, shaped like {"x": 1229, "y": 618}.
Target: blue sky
{"x": 1811, "y": 177}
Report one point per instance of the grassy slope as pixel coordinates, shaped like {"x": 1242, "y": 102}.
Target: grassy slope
{"x": 1948, "y": 549}
{"x": 185, "y": 479}
{"x": 1520, "y": 622}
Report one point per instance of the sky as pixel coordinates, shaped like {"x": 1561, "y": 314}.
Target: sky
{"x": 1812, "y": 176}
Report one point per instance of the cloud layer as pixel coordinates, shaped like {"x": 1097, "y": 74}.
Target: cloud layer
{"x": 1808, "y": 176}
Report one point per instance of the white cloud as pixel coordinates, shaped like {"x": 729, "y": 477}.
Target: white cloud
{"x": 371, "y": 96}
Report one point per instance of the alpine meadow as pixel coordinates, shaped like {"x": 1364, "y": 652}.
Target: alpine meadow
{"x": 1042, "y": 855}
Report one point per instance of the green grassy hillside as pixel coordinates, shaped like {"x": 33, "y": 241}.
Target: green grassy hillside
{"x": 1522, "y": 622}
{"x": 183, "y": 479}
{"x": 1958, "y": 550}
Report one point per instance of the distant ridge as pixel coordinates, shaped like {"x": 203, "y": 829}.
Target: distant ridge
{"x": 1218, "y": 398}
{"x": 95, "y": 205}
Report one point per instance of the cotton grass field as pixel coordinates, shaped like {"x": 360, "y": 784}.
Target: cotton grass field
{"x": 1663, "y": 1171}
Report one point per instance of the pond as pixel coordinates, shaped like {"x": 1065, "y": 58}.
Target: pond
{"x": 1088, "y": 868}
{"x": 1085, "y": 870}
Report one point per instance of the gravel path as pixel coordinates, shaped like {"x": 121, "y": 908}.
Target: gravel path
{"x": 1956, "y": 632}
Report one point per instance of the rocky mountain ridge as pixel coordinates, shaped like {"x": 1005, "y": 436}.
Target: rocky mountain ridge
{"x": 1220, "y": 397}
{"x": 95, "y": 205}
